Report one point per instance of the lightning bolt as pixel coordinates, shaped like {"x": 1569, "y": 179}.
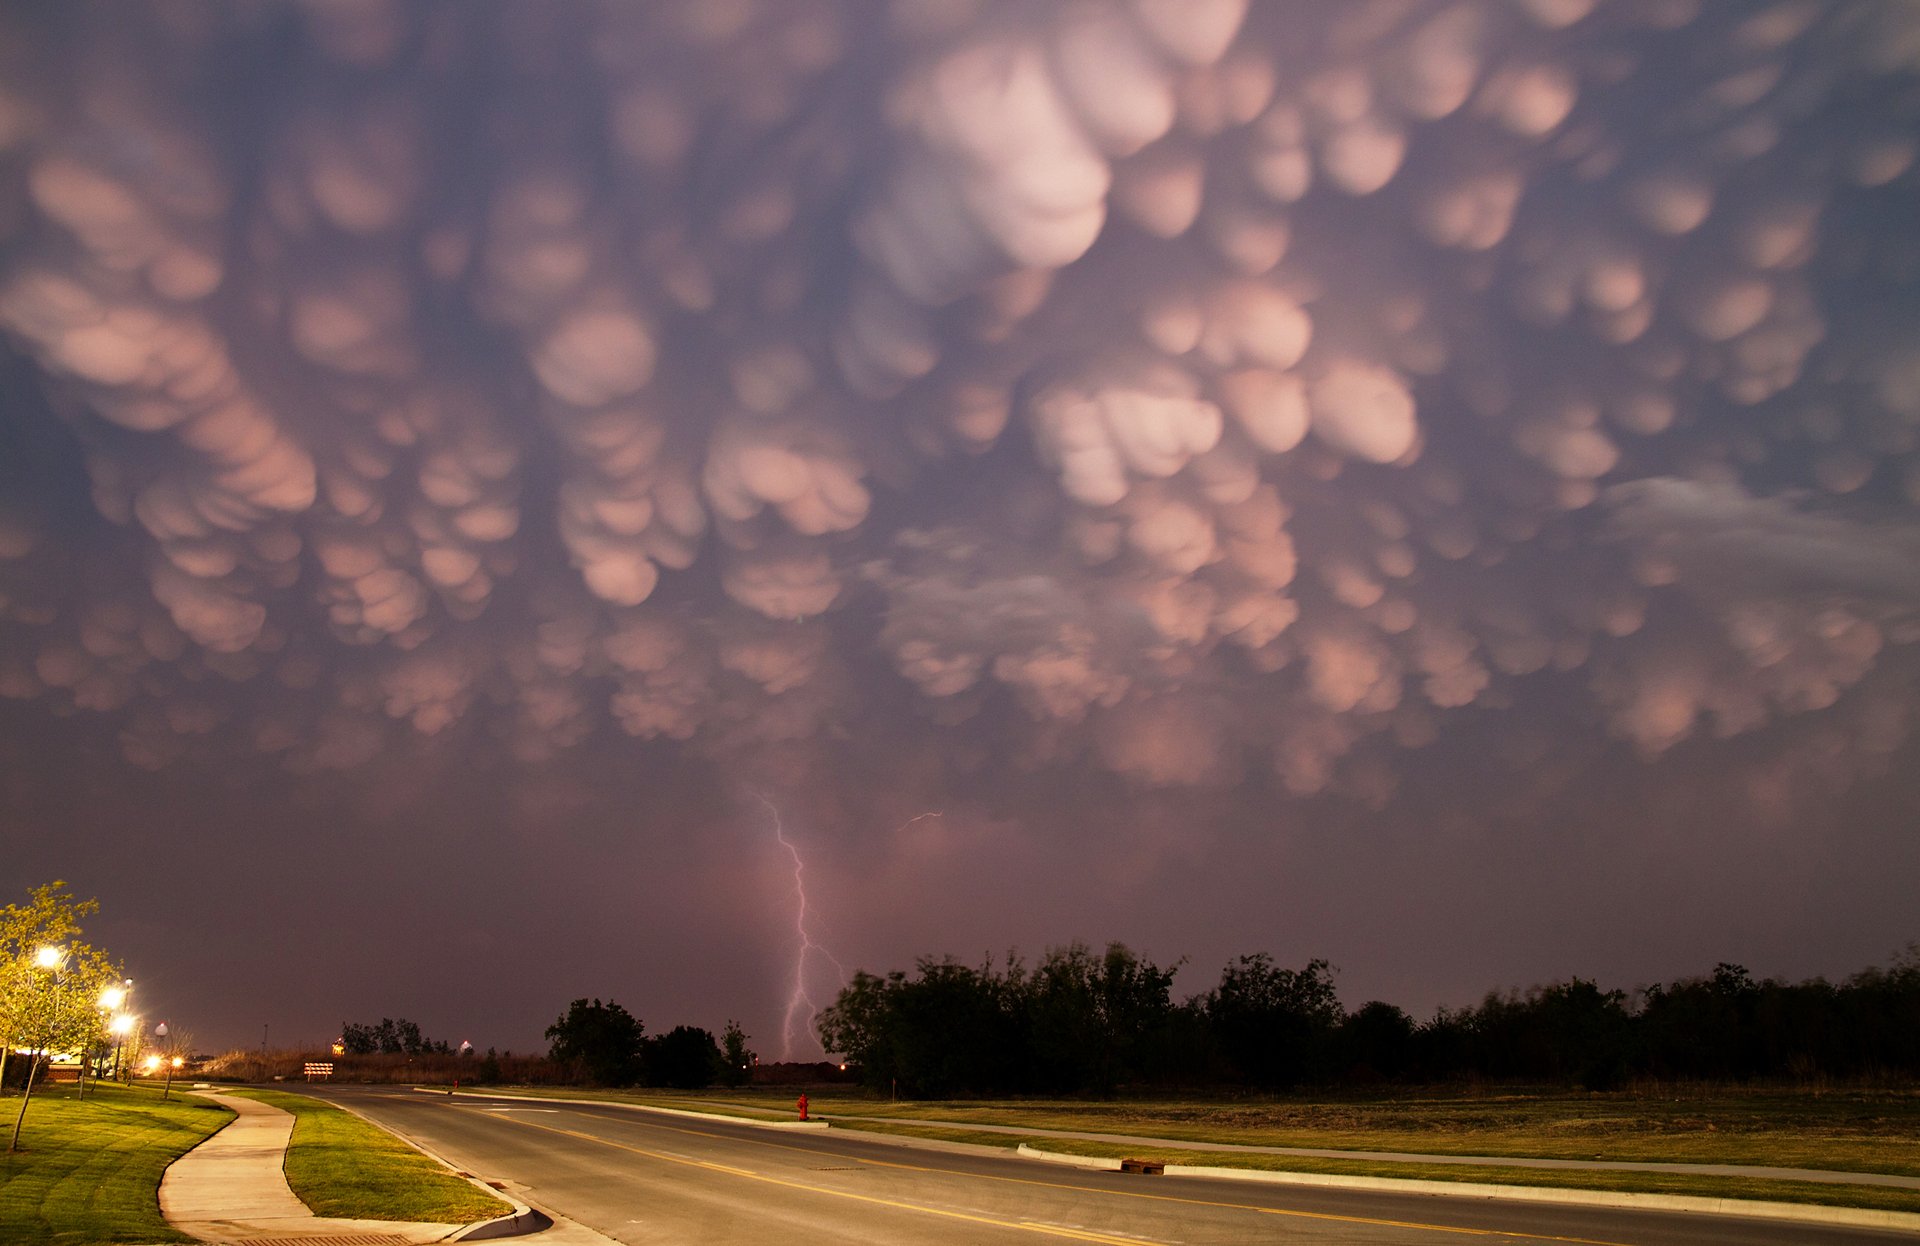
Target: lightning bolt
{"x": 807, "y": 947}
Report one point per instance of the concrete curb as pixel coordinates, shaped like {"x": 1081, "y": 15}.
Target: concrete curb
{"x": 1806, "y": 1213}
{"x": 631, "y": 1107}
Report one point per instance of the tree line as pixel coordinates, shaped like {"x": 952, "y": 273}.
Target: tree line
{"x": 604, "y": 1044}
{"x": 391, "y": 1038}
{"x": 1081, "y": 1022}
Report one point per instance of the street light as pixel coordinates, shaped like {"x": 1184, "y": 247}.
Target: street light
{"x": 160, "y": 1031}
{"x": 51, "y": 958}
{"x": 121, "y": 1026}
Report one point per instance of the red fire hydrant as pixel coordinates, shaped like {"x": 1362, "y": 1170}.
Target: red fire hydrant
{"x": 803, "y": 1107}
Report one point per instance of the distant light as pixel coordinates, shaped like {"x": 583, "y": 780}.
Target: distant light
{"x": 339, "y": 1049}
{"x": 153, "y": 1062}
{"x": 50, "y": 957}
{"x": 113, "y": 997}
{"x": 122, "y": 1024}
{"x": 178, "y": 1061}
{"x": 843, "y": 1066}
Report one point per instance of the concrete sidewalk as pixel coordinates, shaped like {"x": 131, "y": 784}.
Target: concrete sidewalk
{"x": 232, "y": 1188}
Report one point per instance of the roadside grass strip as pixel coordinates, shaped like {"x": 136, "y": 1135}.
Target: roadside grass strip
{"x": 90, "y": 1169}
{"x": 1875, "y": 1131}
{"x": 341, "y": 1166}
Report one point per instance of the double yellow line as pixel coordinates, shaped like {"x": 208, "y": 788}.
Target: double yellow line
{"x": 1027, "y": 1226}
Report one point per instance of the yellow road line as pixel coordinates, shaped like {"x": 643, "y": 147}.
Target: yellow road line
{"x": 1050, "y": 1185}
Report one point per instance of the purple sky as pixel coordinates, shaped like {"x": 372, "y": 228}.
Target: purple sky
{"x": 1427, "y": 485}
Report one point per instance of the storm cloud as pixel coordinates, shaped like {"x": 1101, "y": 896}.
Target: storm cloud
{"x": 1193, "y": 394}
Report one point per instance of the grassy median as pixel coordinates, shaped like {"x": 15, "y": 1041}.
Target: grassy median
{"x": 341, "y": 1166}
{"x": 90, "y": 1169}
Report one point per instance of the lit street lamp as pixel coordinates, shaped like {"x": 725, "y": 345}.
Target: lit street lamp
{"x": 121, "y": 1026}
{"x": 51, "y": 959}
{"x": 160, "y": 1031}
{"x": 113, "y": 999}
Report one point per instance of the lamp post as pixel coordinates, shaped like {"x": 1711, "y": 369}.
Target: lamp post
{"x": 113, "y": 1001}
{"x": 121, "y": 1026}
{"x": 160, "y": 1031}
{"x": 51, "y": 959}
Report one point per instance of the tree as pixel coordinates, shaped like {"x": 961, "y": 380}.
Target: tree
{"x": 1273, "y": 1024}
{"x": 685, "y": 1058}
{"x": 736, "y": 1060}
{"x": 1094, "y": 1022}
{"x": 602, "y": 1043}
{"x": 390, "y": 1037}
{"x": 50, "y": 982}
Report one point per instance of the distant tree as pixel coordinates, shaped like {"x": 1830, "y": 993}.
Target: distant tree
{"x": 1376, "y": 1041}
{"x": 860, "y": 1025}
{"x": 391, "y": 1037}
{"x": 601, "y": 1043}
{"x": 735, "y": 1058}
{"x": 951, "y": 1029}
{"x": 1093, "y": 1022}
{"x": 1273, "y": 1025}
{"x": 489, "y": 1070}
{"x": 685, "y": 1057}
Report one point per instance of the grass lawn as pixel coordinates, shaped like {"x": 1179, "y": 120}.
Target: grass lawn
{"x": 1841, "y": 1130}
{"x": 339, "y": 1165}
{"x": 90, "y": 1169}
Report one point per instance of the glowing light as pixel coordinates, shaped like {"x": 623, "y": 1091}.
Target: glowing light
{"x": 112, "y": 997}
{"x": 121, "y": 1025}
{"x": 50, "y": 957}
{"x": 153, "y": 1064}
{"x": 801, "y": 999}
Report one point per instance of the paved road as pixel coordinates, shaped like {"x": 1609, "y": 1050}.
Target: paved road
{"x": 643, "y": 1178}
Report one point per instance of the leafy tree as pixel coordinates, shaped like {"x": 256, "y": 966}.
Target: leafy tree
{"x": 1376, "y": 1041}
{"x": 50, "y": 982}
{"x": 685, "y": 1057}
{"x": 390, "y": 1037}
{"x": 602, "y": 1043}
{"x": 736, "y": 1060}
{"x": 1273, "y": 1024}
{"x": 1094, "y": 1022}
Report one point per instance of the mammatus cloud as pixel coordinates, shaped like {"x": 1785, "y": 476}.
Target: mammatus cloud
{"x": 1188, "y": 389}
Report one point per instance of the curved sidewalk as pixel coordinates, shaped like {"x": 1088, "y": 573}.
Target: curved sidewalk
{"x": 233, "y": 1188}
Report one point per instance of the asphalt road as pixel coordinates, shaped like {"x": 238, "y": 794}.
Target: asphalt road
{"x": 645, "y": 1178}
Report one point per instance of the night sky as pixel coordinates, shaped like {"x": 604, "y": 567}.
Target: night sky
{"x": 486, "y": 488}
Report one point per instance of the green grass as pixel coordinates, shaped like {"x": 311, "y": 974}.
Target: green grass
{"x": 341, "y": 1166}
{"x": 1844, "y": 1131}
{"x": 90, "y": 1169}
{"x": 1848, "y": 1131}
